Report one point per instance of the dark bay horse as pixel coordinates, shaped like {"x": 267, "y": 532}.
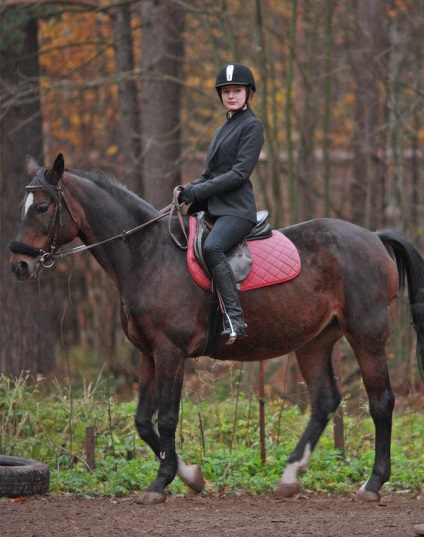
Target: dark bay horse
{"x": 349, "y": 278}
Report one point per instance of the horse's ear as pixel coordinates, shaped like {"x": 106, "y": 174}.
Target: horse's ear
{"x": 56, "y": 173}
{"x": 31, "y": 165}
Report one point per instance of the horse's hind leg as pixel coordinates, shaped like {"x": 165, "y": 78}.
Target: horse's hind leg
{"x": 316, "y": 368}
{"x": 367, "y": 330}
{"x": 373, "y": 365}
{"x": 381, "y": 404}
{"x": 191, "y": 474}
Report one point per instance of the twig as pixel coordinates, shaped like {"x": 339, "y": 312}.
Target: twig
{"x": 236, "y": 407}
{"x": 71, "y": 393}
{"x": 109, "y": 413}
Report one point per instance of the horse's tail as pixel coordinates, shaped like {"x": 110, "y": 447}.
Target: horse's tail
{"x": 410, "y": 264}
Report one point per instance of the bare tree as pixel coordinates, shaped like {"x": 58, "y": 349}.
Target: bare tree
{"x": 162, "y": 56}
{"x": 329, "y": 11}
{"x": 306, "y": 105}
{"x": 291, "y": 177}
{"x": 404, "y": 78}
{"x": 26, "y": 341}
{"x": 371, "y": 41}
{"x": 129, "y": 126}
{"x": 268, "y": 111}
{"x": 417, "y": 119}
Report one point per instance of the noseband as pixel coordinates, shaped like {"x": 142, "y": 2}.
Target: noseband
{"x": 48, "y": 259}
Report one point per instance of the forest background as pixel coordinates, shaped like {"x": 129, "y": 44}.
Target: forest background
{"x": 128, "y": 87}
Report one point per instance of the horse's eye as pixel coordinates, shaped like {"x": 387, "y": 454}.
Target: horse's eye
{"x": 42, "y": 208}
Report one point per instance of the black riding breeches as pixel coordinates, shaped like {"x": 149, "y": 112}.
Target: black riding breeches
{"x": 226, "y": 232}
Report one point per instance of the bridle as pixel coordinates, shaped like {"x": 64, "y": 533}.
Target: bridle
{"x": 48, "y": 259}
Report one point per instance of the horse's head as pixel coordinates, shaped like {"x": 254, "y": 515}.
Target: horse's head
{"x": 46, "y": 223}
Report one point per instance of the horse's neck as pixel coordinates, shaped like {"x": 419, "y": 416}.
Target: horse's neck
{"x": 102, "y": 216}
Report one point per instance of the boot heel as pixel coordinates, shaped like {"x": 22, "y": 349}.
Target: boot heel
{"x": 232, "y": 334}
{"x": 231, "y": 338}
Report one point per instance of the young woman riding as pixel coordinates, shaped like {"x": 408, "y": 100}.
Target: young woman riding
{"x": 225, "y": 191}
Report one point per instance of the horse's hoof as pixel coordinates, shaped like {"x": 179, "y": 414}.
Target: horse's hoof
{"x": 194, "y": 478}
{"x": 364, "y": 495}
{"x": 151, "y": 498}
{"x": 287, "y": 490}
{"x": 191, "y": 475}
{"x": 197, "y": 483}
{"x": 419, "y": 529}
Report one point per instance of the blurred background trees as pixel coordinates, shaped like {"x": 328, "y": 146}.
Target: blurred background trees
{"x": 128, "y": 87}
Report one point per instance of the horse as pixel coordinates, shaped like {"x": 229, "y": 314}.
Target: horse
{"x": 349, "y": 278}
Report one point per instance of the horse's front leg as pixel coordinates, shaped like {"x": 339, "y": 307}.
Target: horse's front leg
{"x": 160, "y": 389}
{"x": 147, "y": 403}
{"x": 169, "y": 373}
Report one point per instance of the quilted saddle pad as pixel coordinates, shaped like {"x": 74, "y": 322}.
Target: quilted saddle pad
{"x": 274, "y": 260}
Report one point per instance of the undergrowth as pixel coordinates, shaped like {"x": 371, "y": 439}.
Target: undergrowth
{"x": 221, "y": 436}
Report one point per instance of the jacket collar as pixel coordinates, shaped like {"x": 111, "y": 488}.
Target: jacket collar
{"x": 230, "y": 125}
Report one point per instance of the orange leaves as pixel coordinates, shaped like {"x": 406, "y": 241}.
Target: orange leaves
{"x": 78, "y": 100}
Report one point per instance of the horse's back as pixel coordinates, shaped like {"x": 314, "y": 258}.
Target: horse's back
{"x": 328, "y": 231}
{"x": 341, "y": 245}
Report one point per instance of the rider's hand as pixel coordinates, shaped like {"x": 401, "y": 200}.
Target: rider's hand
{"x": 187, "y": 195}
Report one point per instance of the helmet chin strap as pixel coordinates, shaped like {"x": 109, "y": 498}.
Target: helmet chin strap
{"x": 230, "y": 113}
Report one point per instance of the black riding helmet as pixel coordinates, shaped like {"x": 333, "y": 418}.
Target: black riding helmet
{"x": 234, "y": 74}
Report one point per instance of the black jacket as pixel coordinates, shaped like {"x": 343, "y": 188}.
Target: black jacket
{"x": 225, "y": 189}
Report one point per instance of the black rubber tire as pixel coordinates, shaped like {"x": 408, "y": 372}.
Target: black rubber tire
{"x": 22, "y": 477}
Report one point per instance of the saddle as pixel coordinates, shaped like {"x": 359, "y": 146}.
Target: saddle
{"x": 268, "y": 257}
{"x": 239, "y": 256}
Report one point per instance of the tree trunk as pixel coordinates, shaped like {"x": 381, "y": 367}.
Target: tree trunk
{"x": 267, "y": 106}
{"x": 329, "y": 6}
{"x": 291, "y": 178}
{"x": 129, "y": 126}
{"x": 397, "y": 214}
{"x": 417, "y": 122}
{"x": 367, "y": 188}
{"x": 306, "y": 107}
{"x": 162, "y": 59}
{"x": 26, "y": 340}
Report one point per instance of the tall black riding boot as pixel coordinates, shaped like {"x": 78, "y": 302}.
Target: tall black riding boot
{"x": 226, "y": 285}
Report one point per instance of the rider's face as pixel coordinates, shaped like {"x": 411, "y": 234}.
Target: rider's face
{"x": 234, "y": 97}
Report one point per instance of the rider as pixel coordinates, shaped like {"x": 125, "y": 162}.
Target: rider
{"x": 225, "y": 191}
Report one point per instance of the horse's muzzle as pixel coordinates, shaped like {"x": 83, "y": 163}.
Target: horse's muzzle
{"x": 26, "y": 270}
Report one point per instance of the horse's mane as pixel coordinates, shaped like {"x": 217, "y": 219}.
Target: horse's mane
{"x": 111, "y": 185}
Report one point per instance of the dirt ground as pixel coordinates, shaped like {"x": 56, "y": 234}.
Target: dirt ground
{"x": 244, "y": 516}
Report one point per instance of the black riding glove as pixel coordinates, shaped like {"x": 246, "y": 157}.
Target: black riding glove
{"x": 187, "y": 195}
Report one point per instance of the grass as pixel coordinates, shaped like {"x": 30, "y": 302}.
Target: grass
{"x": 51, "y": 427}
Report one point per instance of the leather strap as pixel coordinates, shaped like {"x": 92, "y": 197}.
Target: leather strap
{"x": 175, "y": 206}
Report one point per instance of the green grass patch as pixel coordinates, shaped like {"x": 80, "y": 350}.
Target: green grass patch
{"x": 52, "y": 427}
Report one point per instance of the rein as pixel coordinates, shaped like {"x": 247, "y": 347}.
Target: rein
{"x": 48, "y": 259}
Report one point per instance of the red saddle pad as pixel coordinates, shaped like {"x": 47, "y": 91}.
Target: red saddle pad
{"x": 274, "y": 260}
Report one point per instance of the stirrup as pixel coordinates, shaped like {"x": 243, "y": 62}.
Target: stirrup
{"x": 231, "y": 332}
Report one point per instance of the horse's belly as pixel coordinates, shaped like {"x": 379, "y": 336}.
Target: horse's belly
{"x": 281, "y": 319}
{"x": 269, "y": 339}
